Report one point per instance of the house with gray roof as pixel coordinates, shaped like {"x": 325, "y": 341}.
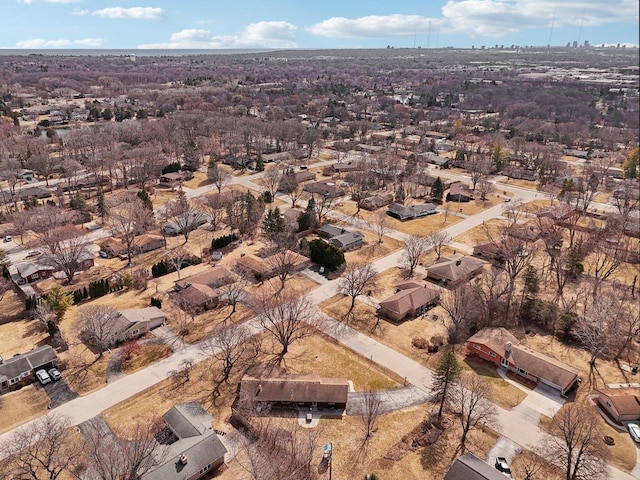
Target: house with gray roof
{"x": 23, "y": 366}
{"x": 197, "y": 450}
{"x": 470, "y": 467}
{"x": 404, "y": 212}
{"x": 341, "y": 237}
{"x": 454, "y": 270}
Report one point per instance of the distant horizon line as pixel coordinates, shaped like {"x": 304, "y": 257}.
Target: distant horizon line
{"x": 133, "y": 50}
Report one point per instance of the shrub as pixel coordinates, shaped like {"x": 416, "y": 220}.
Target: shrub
{"x": 156, "y": 302}
{"x": 325, "y": 254}
{"x": 159, "y": 269}
{"x": 420, "y": 343}
{"x": 171, "y": 168}
{"x": 220, "y": 242}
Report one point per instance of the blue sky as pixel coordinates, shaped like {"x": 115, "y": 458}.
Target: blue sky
{"x": 34, "y": 24}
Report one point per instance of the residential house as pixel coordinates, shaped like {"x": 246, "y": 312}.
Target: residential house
{"x": 141, "y": 244}
{"x": 460, "y": 192}
{"x": 201, "y": 291}
{"x": 35, "y": 192}
{"x": 532, "y": 230}
{"x": 455, "y": 269}
{"x": 291, "y": 218}
{"x": 29, "y": 272}
{"x": 470, "y": 467}
{"x": 278, "y": 157}
{"x": 264, "y": 268}
{"x": 558, "y": 212}
{"x": 500, "y": 347}
{"x": 304, "y": 176}
{"x": 326, "y": 189}
{"x": 434, "y": 159}
{"x": 290, "y": 392}
{"x": 197, "y": 450}
{"x": 173, "y": 179}
{"x": 377, "y": 201}
{"x": 410, "y": 300}
{"x": 370, "y": 149}
{"x": 197, "y": 219}
{"x": 23, "y": 366}
{"x": 340, "y": 167}
{"x": 621, "y": 403}
{"x": 134, "y": 322}
{"x": 340, "y": 237}
{"x": 498, "y": 252}
{"x": 403, "y": 212}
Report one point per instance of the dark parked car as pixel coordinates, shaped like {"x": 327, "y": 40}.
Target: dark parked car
{"x": 503, "y": 466}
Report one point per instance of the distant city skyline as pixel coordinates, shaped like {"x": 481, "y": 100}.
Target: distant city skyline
{"x": 260, "y": 24}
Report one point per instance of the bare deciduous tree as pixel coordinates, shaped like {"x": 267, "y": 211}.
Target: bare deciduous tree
{"x": 357, "y": 279}
{"x": 460, "y": 310}
{"x": 43, "y": 450}
{"x": 438, "y": 240}
{"x": 576, "y": 443}
{"x": 371, "y": 411}
{"x": 98, "y": 326}
{"x": 108, "y": 456}
{"x": 271, "y": 179}
{"x": 129, "y": 219}
{"x": 182, "y": 214}
{"x": 287, "y": 316}
{"x": 415, "y": 246}
{"x": 471, "y": 405}
{"x": 379, "y": 225}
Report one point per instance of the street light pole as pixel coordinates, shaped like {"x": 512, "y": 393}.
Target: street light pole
{"x": 330, "y": 459}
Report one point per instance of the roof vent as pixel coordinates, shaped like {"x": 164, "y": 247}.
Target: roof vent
{"x": 259, "y": 389}
{"x": 183, "y": 459}
{"x": 458, "y": 262}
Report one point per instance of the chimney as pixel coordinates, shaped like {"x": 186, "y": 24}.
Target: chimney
{"x": 458, "y": 262}
{"x": 183, "y": 459}
{"x": 507, "y": 349}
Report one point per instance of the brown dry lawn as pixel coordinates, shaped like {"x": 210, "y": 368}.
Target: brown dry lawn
{"x": 622, "y": 454}
{"x": 482, "y": 233}
{"x": 148, "y": 355}
{"x": 21, "y": 406}
{"x": 418, "y": 226}
{"x": 502, "y": 392}
{"x": 20, "y": 336}
{"x": 312, "y": 355}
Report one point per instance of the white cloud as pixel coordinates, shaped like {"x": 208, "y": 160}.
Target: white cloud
{"x": 64, "y": 1}
{"x": 80, "y": 12}
{"x": 484, "y": 17}
{"x": 35, "y": 43}
{"x": 135, "y": 13}
{"x": 255, "y": 35}
{"x": 500, "y": 17}
{"x": 373, "y": 26}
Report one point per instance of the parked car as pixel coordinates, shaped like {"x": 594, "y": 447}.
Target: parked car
{"x": 43, "y": 376}
{"x": 55, "y": 373}
{"x": 503, "y": 466}
{"x": 634, "y": 431}
{"x": 8, "y": 238}
{"x": 103, "y": 254}
{"x": 33, "y": 253}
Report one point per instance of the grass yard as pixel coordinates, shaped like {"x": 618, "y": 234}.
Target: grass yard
{"x": 20, "y": 336}
{"x": 482, "y": 233}
{"x": 622, "y": 454}
{"x": 473, "y": 207}
{"x": 12, "y": 306}
{"x": 148, "y": 355}
{"x": 547, "y": 470}
{"x": 372, "y": 250}
{"x": 502, "y": 392}
{"x": 312, "y": 355}
{"x": 418, "y": 226}
{"x": 206, "y": 322}
{"x": 199, "y": 180}
{"x": 21, "y": 406}
{"x": 518, "y": 182}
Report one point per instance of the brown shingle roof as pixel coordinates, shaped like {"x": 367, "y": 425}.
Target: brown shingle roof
{"x": 494, "y": 338}
{"x": 454, "y": 268}
{"x": 410, "y": 299}
{"x": 215, "y": 276}
{"x": 309, "y": 388}
{"x": 625, "y": 400}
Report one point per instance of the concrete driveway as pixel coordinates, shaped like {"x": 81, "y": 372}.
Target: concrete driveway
{"x": 503, "y": 448}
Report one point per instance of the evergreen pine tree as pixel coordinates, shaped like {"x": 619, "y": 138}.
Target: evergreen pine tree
{"x": 437, "y": 189}
{"x": 446, "y": 372}
{"x": 144, "y": 196}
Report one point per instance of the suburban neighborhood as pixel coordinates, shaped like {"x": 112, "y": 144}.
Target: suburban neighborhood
{"x": 292, "y": 265}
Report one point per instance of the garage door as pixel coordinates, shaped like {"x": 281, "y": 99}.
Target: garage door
{"x": 552, "y": 385}
{"x": 156, "y": 322}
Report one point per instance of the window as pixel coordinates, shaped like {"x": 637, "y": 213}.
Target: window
{"x": 492, "y": 354}
{"x": 135, "y": 332}
{"x": 522, "y": 372}
{"x": 477, "y": 347}
{"x": 14, "y": 380}
{"x": 204, "y": 469}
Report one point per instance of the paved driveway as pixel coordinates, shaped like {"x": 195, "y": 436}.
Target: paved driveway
{"x": 59, "y": 393}
{"x": 503, "y": 448}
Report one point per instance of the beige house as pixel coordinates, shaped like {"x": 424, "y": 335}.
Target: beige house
{"x": 201, "y": 291}
{"x": 135, "y": 322}
{"x": 623, "y": 404}
{"x": 410, "y": 300}
{"x": 454, "y": 270}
